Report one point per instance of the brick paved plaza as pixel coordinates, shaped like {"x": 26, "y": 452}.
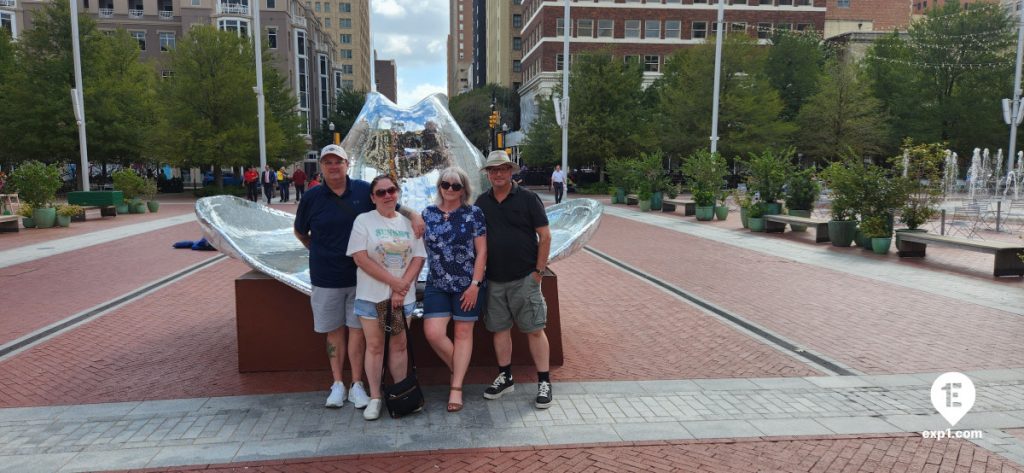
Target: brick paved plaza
{"x": 688, "y": 347}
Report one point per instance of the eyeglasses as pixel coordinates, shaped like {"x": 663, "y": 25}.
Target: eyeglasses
{"x": 383, "y": 192}
{"x": 499, "y": 169}
{"x": 448, "y": 185}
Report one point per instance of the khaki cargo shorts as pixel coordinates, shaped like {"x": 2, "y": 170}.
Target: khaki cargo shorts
{"x": 520, "y": 301}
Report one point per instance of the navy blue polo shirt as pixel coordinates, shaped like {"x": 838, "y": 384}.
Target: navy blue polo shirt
{"x": 512, "y": 233}
{"x": 329, "y": 227}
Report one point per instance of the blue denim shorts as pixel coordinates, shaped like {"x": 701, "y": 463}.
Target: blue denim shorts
{"x": 368, "y": 310}
{"x": 438, "y": 303}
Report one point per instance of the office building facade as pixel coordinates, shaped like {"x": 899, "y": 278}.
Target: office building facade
{"x": 460, "y": 47}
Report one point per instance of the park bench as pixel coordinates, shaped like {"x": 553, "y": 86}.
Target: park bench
{"x": 9, "y": 223}
{"x": 632, "y": 199}
{"x": 1008, "y": 262}
{"x": 106, "y": 201}
{"x": 777, "y": 224}
{"x": 104, "y": 211}
{"x": 689, "y": 206}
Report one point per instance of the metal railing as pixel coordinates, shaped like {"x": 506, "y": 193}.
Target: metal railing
{"x": 233, "y": 8}
{"x": 134, "y": 13}
{"x": 106, "y": 12}
{"x": 166, "y": 15}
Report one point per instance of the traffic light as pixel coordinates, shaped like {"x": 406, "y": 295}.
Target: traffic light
{"x": 500, "y": 140}
{"x": 493, "y": 120}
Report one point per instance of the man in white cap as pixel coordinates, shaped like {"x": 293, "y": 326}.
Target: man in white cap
{"x": 323, "y": 223}
{"x": 518, "y": 242}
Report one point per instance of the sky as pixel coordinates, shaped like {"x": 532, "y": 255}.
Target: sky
{"x": 414, "y": 33}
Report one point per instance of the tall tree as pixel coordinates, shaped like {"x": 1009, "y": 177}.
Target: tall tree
{"x": 472, "y": 108}
{"x": 794, "y": 66}
{"x": 841, "y": 117}
{"x": 947, "y": 77}
{"x": 607, "y": 118}
{"x": 347, "y": 106}
{"x": 210, "y": 111}
{"x": 749, "y": 107}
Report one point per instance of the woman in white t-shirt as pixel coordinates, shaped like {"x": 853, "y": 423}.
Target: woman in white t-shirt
{"x": 390, "y": 258}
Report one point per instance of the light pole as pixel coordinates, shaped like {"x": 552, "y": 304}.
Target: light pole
{"x": 719, "y": 39}
{"x": 1015, "y": 105}
{"x": 334, "y": 136}
{"x": 78, "y": 97}
{"x": 261, "y": 114}
{"x": 566, "y": 28}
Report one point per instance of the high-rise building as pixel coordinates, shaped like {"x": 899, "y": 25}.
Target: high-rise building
{"x": 479, "y": 70}
{"x": 460, "y": 46}
{"x": 348, "y": 23}
{"x": 386, "y": 75}
{"x": 504, "y": 43}
{"x": 302, "y": 48}
{"x": 644, "y": 32}
{"x": 846, "y": 16}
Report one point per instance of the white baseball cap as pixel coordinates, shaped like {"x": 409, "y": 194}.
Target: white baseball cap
{"x": 335, "y": 150}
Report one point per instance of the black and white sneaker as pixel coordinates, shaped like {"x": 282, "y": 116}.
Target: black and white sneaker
{"x": 501, "y": 386}
{"x": 543, "y": 395}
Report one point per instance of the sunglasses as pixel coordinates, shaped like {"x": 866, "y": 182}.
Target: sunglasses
{"x": 383, "y": 192}
{"x": 447, "y": 185}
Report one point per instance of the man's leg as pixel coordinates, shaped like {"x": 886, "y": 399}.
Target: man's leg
{"x": 503, "y": 347}
{"x": 336, "y": 350}
{"x": 498, "y": 320}
{"x": 539, "y": 349}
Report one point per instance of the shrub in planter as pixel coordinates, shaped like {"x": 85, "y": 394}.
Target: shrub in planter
{"x": 66, "y": 212}
{"x": 742, "y": 199}
{"x": 622, "y": 174}
{"x": 25, "y": 211}
{"x": 844, "y": 182}
{"x": 130, "y": 184}
{"x": 37, "y": 185}
{"x": 705, "y": 201}
{"x": 148, "y": 193}
{"x": 755, "y": 217}
{"x": 801, "y": 192}
{"x": 878, "y": 230}
{"x": 705, "y": 171}
{"x": 923, "y": 164}
{"x": 768, "y": 172}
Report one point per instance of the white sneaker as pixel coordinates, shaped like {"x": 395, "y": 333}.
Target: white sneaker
{"x": 337, "y": 397}
{"x": 357, "y": 394}
{"x": 372, "y": 411}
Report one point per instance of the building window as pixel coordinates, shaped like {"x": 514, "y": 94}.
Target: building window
{"x": 803, "y": 26}
{"x": 241, "y": 27}
{"x": 559, "y": 26}
{"x": 764, "y": 30}
{"x": 632, "y": 28}
{"x": 700, "y": 30}
{"x": 673, "y": 1}
{"x": 785, "y": 2}
{"x": 327, "y": 22}
{"x": 345, "y": 7}
{"x": 272, "y": 37}
{"x": 517, "y": 66}
{"x": 803, "y": 2}
{"x": 337, "y": 82}
{"x": 843, "y": 3}
{"x": 325, "y": 86}
{"x": 344, "y": 23}
{"x": 585, "y": 28}
{"x": 559, "y": 62}
{"x": 327, "y": 7}
{"x": 166, "y": 73}
{"x": 346, "y": 39}
{"x": 672, "y": 28}
{"x": 196, "y": 3}
{"x": 517, "y": 21}
{"x": 140, "y": 36}
{"x": 346, "y": 69}
{"x": 7, "y": 23}
{"x": 631, "y": 59}
{"x": 166, "y": 41}
{"x": 652, "y": 29}
{"x": 652, "y": 63}
{"x": 345, "y": 53}
{"x": 347, "y": 83}
{"x": 737, "y": 27}
{"x": 784, "y": 26}
{"x": 271, "y": 4}
{"x": 605, "y": 28}
{"x": 517, "y": 44}
{"x": 700, "y": 1}
{"x": 302, "y": 78}
{"x": 317, "y": 7}
{"x": 767, "y": 2}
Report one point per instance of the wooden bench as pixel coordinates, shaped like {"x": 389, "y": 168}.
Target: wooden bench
{"x": 689, "y": 206}
{"x": 1008, "y": 262}
{"x": 777, "y": 224}
{"x": 9, "y": 223}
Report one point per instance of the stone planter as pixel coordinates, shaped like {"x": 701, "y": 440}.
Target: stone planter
{"x": 656, "y": 201}
{"x": 799, "y": 213}
{"x": 45, "y": 217}
{"x": 645, "y": 205}
{"x": 744, "y": 220}
{"x": 64, "y": 221}
{"x": 137, "y": 207}
{"x": 705, "y": 213}
{"x": 842, "y": 232}
{"x": 28, "y": 222}
{"x": 153, "y": 206}
{"x": 772, "y": 208}
{"x": 756, "y": 224}
{"x": 881, "y": 245}
{"x": 722, "y": 212}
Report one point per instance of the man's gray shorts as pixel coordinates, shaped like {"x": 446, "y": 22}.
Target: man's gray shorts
{"x": 520, "y": 301}
{"x": 333, "y": 307}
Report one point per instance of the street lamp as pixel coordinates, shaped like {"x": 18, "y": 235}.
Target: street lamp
{"x": 334, "y": 136}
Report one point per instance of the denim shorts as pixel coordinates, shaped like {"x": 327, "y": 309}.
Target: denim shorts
{"x": 368, "y": 310}
{"x": 438, "y": 303}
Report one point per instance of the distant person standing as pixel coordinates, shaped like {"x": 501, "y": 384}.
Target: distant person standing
{"x": 299, "y": 179}
{"x": 269, "y": 180}
{"x": 252, "y": 183}
{"x": 283, "y": 182}
{"x": 558, "y": 183}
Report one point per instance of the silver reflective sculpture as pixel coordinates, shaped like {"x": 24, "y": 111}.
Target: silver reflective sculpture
{"x": 412, "y": 144}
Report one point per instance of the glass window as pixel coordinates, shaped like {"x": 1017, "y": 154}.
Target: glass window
{"x": 166, "y": 41}
{"x": 585, "y": 28}
{"x": 347, "y": 83}
{"x": 631, "y": 59}
{"x": 166, "y": 73}
{"x": 632, "y": 28}
{"x": 785, "y": 2}
{"x": 673, "y": 1}
{"x": 700, "y": 1}
{"x": 317, "y": 7}
{"x": 672, "y": 28}
{"x": 345, "y": 7}
{"x": 345, "y": 53}
{"x": 767, "y": 2}
{"x": 843, "y": 4}
{"x": 196, "y": 3}
{"x": 784, "y": 26}
{"x": 517, "y": 44}
{"x": 803, "y": 26}
{"x": 272, "y": 37}
{"x": 652, "y": 29}
{"x": 238, "y": 26}
{"x": 327, "y": 7}
{"x": 803, "y": 2}
{"x": 346, "y": 39}
{"x": 517, "y": 66}
{"x": 764, "y": 30}
{"x": 738, "y": 26}
{"x": 652, "y": 63}
{"x": 559, "y": 26}
{"x": 346, "y": 69}
{"x": 140, "y": 36}
{"x": 699, "y": 30}
{"x": 344, "y": 23}
{"x": 605, "y": 28}
{"x": 327, "y": 22}
{"x": 559, "y": 62}
{"x": 271, "y": 4}
{"x": 7, "y": 22}
{"x": 517, "y": 21}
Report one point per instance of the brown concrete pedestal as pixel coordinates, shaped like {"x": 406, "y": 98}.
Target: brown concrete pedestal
{"x": 275, "y": 330}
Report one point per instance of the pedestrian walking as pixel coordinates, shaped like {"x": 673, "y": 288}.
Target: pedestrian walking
{"x": 269, "y": 180}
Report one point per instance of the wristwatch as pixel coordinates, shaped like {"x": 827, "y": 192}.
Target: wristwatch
{"x": 538, "y": 271}
{"x": 475, "y": 283}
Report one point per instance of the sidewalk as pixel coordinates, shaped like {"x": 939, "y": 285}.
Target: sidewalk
{"x": 688, "y": 346}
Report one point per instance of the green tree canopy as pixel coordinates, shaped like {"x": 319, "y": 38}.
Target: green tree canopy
{"x": 472, "y": 108}
{"x": 794, "y": 68}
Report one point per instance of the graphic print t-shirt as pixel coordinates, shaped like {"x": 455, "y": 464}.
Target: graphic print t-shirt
{"x": 388, "y": 241}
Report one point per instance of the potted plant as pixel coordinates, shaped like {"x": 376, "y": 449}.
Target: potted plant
{"x": 37, "y": 185}
{"x": 722, "y": 206}
{"x": 66, "y": 212}
{"x": 923, "y": 165}
{"x": 881, "y": 194}
{"x": 650, "y": 167}
{"x": 705, "y": 171}
{"x": 131, "y": 185}
{"x": 767, "y": 176}
{"x": 755, "y": 217}
{"x": 149, "y": 191}
{"x": 801, "y": 192}
{"x": 25, "y": 211}
{"x": 619, "y": 171}
{"x": 742, "y": 199}
{"x": 879, "y": 231}
{"x": 842, "y": 180}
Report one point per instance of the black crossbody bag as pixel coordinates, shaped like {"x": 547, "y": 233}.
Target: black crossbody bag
{"x": 404, "y": 397}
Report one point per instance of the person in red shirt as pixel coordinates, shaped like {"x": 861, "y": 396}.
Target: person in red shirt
{"x": 251, "y": 179}
{"x": 299, "y": 179}
{"x": 315, "y": 181}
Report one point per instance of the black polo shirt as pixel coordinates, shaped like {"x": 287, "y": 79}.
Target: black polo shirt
{"x": 512, "y": 233}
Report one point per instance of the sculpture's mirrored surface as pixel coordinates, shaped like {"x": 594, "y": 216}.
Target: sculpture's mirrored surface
{"x": 415, "y": 144}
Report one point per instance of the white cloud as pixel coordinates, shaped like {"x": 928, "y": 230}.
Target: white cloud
{"x": 388, "y": 8}
{"x": 394, "y": 46}
{"x": 415, "y": 34}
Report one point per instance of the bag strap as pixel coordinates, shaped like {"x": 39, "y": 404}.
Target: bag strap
{"x": 387, "y": 343}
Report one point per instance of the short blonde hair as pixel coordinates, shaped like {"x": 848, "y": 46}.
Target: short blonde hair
{"x": 463, "y": 178}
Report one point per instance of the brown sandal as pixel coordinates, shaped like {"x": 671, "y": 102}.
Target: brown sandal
{"x": 455, "y": 406}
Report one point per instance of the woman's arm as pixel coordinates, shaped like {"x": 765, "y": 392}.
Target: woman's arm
{"x": 378, "y": 272}
{"x": 469, "y": 296}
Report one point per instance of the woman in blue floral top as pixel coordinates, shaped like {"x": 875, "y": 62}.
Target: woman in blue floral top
{"x": 456, "y": 241}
